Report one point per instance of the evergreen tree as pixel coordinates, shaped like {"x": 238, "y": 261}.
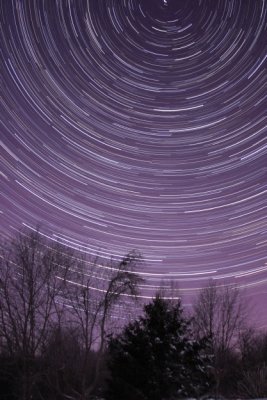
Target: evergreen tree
{"x": 155, "y": 357}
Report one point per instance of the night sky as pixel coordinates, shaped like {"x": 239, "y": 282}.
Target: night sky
{"x": 140, "y": 124}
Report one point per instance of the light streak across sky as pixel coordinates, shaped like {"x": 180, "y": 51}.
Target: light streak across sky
{"x": 140, "y": 124}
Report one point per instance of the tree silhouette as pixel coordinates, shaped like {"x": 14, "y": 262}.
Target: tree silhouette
{"x": 155, "y": 357}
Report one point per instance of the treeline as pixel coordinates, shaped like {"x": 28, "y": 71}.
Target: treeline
{"x": 239, "y": 351}
{"x": 73, "y": 328}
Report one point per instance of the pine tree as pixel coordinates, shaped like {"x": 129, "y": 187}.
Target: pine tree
{"x": 155, "y": 357}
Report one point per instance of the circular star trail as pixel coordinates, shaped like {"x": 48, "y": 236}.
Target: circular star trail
{"x": 140, "y": 124}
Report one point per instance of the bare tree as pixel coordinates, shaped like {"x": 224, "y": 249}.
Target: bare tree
{"x": 50, "y": 296}
{"x": 94, "y": 292}
{"x": 29, "y": 288}
{"x": 220, "y": 314}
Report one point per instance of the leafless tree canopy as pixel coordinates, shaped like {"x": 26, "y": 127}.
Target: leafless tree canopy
{"x": 220, "y": 313}
{"x": 52, "y": 294}
{"x": 29, "y": 289}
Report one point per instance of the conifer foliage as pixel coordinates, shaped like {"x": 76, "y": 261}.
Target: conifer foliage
{"x": 156, "y": 357}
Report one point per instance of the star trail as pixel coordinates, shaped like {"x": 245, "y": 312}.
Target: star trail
{"x": 140, "y": 124}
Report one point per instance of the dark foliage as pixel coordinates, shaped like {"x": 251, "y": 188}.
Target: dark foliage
{"x": 155, "y": 357}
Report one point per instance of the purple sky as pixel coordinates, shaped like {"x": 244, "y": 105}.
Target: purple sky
{"x": 141, "y": 124}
